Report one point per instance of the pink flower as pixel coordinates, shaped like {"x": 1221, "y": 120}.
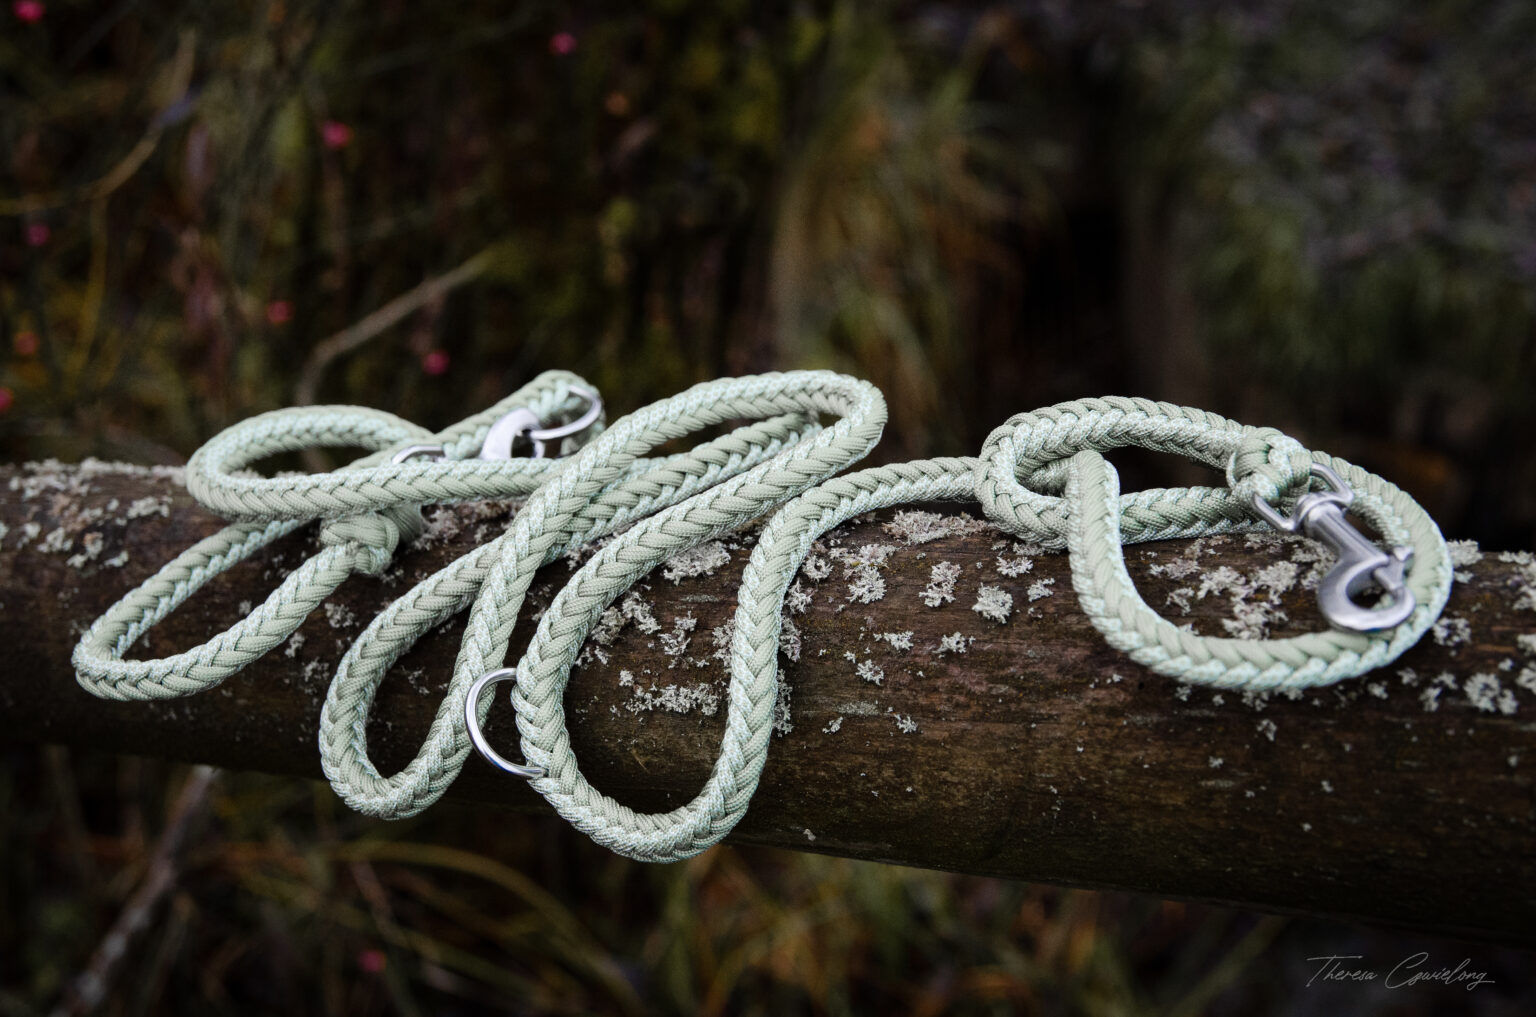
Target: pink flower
{"x": 7, "y": 398}
{"x": 279, "y": 312}
{"x": 335, "y": 134}
{"x": 435, "y": 362}
{"x": 25, "y": 344}
{"x": 371, "y": 961}
{"x": 562, "y": 44}
{"x": 38, "y": 234}
{"x": 29, "y": 11}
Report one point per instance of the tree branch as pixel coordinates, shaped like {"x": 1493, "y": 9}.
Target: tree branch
{"x": 1035, "y": 752}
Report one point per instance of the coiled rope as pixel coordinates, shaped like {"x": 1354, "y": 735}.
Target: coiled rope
{"x": 1040, "y": 476}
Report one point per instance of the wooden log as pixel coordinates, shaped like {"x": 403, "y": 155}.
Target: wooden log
{"x": 918, "y": 730}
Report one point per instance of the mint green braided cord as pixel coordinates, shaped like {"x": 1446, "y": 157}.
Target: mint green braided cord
{"x": 367, "y": 508}
{"x": 1089, "y": 520}
{"x": 1040, "y": 476}
{"x": 646, "y": 486}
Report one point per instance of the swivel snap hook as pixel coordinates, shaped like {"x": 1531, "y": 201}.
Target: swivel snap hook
{"x": 523, "y": 424}
{"x": 1320, "y": 515}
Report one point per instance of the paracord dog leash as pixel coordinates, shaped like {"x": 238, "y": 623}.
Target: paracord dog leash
{"x": 712, "y": 489}
{"x": 1091, "y": 519}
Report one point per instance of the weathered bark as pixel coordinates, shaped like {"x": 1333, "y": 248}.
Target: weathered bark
{"x": 1038, "y": 752}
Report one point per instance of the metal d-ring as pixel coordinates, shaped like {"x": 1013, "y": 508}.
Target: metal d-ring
{"x": 523, "y": 423}
{"x": 412, "y": 451}
{"x": 587, "y": 419}
{"x": 472, "y": 724}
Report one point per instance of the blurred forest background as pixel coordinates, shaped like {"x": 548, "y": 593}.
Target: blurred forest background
{"x": 1311, "y": 214}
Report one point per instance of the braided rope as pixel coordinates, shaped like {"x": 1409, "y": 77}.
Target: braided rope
{"x": 1040, "y": 475}
{"x": 635, "y": 493}
{"x": 367, "y": 508}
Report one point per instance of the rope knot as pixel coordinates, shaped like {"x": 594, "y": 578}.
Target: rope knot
{"x": 375, "y": 535}
{"x": 1269, "y": 464}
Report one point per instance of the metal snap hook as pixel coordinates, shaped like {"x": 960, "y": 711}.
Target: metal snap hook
{"x": 522, "y": 423}
{"x": 472, "y": 725}
{"x": 1320, "y": 514}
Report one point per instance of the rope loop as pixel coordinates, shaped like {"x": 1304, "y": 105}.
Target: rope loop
{"x": 373, "y": 536}
{"x": 1269, "y": 465}
{"x": 365, "y": 508}
{"x": 1035, "y": 447}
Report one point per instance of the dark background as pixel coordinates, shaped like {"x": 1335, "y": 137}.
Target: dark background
{"x": 1315, "y": 215}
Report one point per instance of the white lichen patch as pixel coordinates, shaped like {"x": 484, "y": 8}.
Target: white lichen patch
{"x": 442, "y": 525}
{"x": 1267, "y": 728}
{"x": 1526, "y": 642}
{"x": 1015, "y": 567}
{"x": 1452, "y": 631}
{"x": 148, "y": 506}
{"x": 993, "y": 603}
{"x": 897, "y": 640}
{"x": 1484, "y": 692}
{"x": 1178, "y": 568}
{"x": 90, "y": 549}
{"x": 834, "y": 727}
{"x": 57, "y": 542}
{"x": 1040, "y": 589}
{"x": 696, "y": 561}
{"x": 1464, "y": 553}
{"x": 791, "y": 643}
{"x": 675, "y": 643}
{"x": 815, "y": 568}
{"x": 870, "y": 672}
{"x": 914, "y": 526}
{"x": 797, "y": 599}
{"x": 865, "y": 584}
{"x": 1215, "y": 762}
{"x": 1430, "y": 699}
{"x": 782, "y": 724}
{"x": 859, "y": 709}
{"x": 941, "y": 584}
{"x": 1526, "y": 581}
{"x": 339, "y": 616}
{"x": 1527, "y": 679}
{"x": 674, "y": 698}
{"x": 720, "y": 638}
{"x": 632, "y": 610}
{"x": 955, "y": 642}
{"x": 906, "y": 725}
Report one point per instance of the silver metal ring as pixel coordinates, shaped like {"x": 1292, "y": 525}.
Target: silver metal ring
{"x": 412, "y": 451}
{"x": 472, "y": 725}
{"x": 580, "y": 424}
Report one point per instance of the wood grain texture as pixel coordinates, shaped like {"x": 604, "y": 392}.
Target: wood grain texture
{"x": 1037, "y": 752}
